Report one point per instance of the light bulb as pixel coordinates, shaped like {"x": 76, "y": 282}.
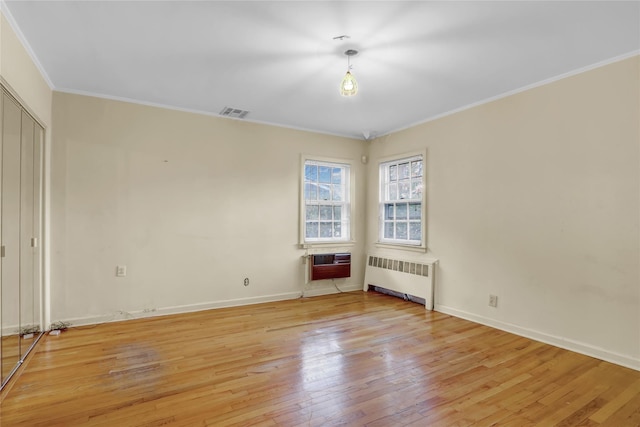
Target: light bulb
{"x": 348, "y": 86}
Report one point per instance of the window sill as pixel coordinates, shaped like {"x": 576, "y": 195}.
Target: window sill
{"x": 419, "y": 249}
{"x": 344, "y": 244}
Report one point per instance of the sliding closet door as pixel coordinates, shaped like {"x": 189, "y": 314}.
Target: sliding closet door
{"x": 21, "y": 141}
{"x": 2, "y": 366}
{"x": 36, "y": 242}
{"x": 29, "y": 303}
{"x": 10, "y": 286}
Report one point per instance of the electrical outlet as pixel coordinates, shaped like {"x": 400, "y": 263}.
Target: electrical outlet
{"x": 493, "y": 300}
{"x": 246, "y": 281}
{"x": 121, "y": 270}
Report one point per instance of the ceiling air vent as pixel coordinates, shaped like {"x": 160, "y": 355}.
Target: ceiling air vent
{"x": 233, "y": 112}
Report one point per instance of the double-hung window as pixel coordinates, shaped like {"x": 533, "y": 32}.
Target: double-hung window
{"x": 327, "y": 208}
{"x": 401, "y": 202}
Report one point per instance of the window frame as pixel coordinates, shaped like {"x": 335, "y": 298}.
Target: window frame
{"x": 383, "y": 201}
{"x": 347, "y": 204}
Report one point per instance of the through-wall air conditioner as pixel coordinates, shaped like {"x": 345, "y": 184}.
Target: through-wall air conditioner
{"x": 330, "y": 266}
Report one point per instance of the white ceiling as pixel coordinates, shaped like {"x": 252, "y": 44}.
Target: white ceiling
{"x": 278, "y": 59}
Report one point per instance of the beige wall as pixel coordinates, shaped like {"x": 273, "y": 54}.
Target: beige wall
{"x": 535, "y": 198}
{"x": 192, "y": 204}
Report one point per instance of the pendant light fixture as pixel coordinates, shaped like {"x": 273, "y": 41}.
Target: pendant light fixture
{"x": 349, "y": 86}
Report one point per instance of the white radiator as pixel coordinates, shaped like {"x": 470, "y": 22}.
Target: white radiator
{"x": 407, "y": 278}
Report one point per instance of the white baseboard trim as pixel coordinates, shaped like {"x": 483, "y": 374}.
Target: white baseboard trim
{"x": 567, "y": 344}
{"x": 15, "y": 329}
{"x": 10, "y": 330}
{"x": 188, "y": 308}
{"x": 328, "y": 290}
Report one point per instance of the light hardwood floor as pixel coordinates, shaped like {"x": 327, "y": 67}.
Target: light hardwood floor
{"x": 349, "y": 359}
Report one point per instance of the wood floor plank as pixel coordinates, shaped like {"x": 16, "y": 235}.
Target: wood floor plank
{"x": 350, "y": 359}
{"x": 616, "y": 403}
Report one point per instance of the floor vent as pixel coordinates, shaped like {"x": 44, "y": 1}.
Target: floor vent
{"x": 234, "y": 112}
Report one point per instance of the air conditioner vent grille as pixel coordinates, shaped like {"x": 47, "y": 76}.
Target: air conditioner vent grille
{"x": 401, "y": 266}
{"x": 234, "y": 112}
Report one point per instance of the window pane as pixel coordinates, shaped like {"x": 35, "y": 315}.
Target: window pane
{"x": 337, "y": 213}
{"x": 401, "y": 230}
{"x": 310, "y": 172}
{"x": 388, "y": 211}
{"x": 326, "y": 229}
{"x": 312, "y": 230}
{"x": 401, "y": 200}
{"x": 311, "y": 191}
{"x": 416, "y": 168}
{"x": 403, "y": 189}
{"x": 415, "y": 231}
{"x": 325, "y": 212}
{"x": 312, "y": 212}
{"x": 337, "y": 193}
{"x": 337, "y": 229}
{"x": 415, "y": 211}
{"x": 393, "y": 173}
{"x": 388, "y": 230}
{"x": 403, "y": 170}
{"x": 401, "y": 211}
{"x": 393, "y": 191}
{"x": 336, "y": 177}
{"x": 416, "y": 190}
{"x": 324, "y": 192}
{"x": 324, "y": 174}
